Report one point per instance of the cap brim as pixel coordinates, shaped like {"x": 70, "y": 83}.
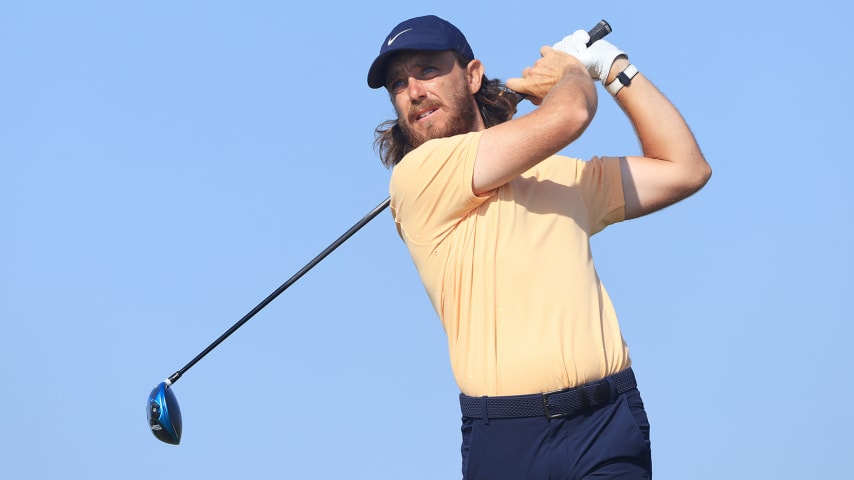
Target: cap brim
{"x": 376, "y": 74}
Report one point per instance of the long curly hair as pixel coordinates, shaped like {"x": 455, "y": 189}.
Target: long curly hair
{"x": 496, "y": 103}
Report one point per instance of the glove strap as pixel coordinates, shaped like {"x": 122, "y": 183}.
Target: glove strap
{"x": 624, "y": 79}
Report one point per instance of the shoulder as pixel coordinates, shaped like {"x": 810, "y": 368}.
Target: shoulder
{"x": 437, "y": 164}
{"x": 437, "y": 152}
{"x": 431, "y": 188}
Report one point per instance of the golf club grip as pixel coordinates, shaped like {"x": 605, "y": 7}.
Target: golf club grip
{"x": 598, "y": 32}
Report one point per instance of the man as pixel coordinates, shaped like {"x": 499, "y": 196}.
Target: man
{"x": 498, "y": 226}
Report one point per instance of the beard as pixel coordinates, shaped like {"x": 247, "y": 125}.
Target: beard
{"x": 460, "y": 119}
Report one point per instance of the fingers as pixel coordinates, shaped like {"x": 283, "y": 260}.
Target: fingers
{"x": 533, "y": 89}
{"x": 520, "y": 85}
{"x": 537, "y": 80}
{"x": 574, "y": 44}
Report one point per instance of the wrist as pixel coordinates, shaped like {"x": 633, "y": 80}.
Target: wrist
{"x": 620, "y": 64}
{"x": 623, "y": 79}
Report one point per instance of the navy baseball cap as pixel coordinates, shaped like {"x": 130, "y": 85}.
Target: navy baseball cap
{"x": 420, "y": 33}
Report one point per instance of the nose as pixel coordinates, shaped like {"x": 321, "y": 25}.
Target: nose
{"x": 415, "y": 88}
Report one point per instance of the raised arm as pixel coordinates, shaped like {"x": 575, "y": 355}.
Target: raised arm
{"x": 672, "y": 166}
{"x": 566, "y": 95}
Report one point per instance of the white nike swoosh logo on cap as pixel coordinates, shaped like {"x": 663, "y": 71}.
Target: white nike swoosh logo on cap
{"x": 392, "y": 39}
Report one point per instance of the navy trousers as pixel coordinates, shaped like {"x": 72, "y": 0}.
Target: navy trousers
{"x": 610, "y": 441}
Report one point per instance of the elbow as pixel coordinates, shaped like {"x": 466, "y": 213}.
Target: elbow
{"x": 577, "y": 113}
{"x": 587, "y": 108}
{"x": 704, "y": 173}
{"x": 707, "y": 175}
{"x": 697, "y": 177}
{"x": 579, "y": 118}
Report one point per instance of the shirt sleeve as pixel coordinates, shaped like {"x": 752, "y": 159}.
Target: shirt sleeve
{"x": 431, "y": 188}
{"x": 602, "y": 188}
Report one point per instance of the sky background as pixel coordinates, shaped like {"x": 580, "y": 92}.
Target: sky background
{"x": 164, "y": 166}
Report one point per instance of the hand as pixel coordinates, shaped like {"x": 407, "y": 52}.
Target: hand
{"x": 536, "y": 81}
{"x": 598, "y": 57}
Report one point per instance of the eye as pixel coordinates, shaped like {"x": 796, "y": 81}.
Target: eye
{"x": 429, "y": 71}
{"x": 396, "y": 85}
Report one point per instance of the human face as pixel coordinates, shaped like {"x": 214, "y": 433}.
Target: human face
{"x": 433, "y": 95}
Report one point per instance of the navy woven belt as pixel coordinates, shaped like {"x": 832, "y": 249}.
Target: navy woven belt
{"x": 562, "y": 403}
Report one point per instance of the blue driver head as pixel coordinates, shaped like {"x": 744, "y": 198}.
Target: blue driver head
{"x": 164, "y": 416}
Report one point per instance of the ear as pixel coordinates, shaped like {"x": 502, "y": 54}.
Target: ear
{"x": 474, "y": 73}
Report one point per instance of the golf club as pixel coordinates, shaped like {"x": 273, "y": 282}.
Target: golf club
{"x": 164, "y": 415}
{"x": 162, "y": 410}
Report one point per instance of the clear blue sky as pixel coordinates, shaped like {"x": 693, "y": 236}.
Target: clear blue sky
{"x": 166, "y": 165}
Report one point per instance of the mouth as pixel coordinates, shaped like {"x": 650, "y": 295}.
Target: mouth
{"x": 422, "y": 114}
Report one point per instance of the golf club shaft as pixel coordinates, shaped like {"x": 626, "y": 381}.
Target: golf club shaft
{"x": 337, "y": 243}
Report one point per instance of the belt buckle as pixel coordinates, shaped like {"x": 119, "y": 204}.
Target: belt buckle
{"x": 549, "y": 414}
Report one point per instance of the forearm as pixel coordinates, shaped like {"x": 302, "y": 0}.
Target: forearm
{"x": 672, "y": 166}
{"x": 662, "y": 131}
{"x": 566, "y": 111}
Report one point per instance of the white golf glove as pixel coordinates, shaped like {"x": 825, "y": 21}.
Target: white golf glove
{"x": 598, "y": 58}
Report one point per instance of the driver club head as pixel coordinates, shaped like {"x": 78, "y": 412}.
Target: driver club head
{"x": 164, "y": 415}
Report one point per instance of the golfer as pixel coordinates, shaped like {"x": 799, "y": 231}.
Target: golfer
{"x": 498, "y": 226}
